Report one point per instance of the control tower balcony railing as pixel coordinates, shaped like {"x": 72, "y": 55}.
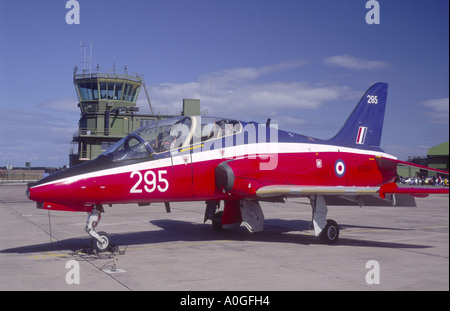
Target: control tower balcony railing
{"x": 81, "y": 133}
{"x": 107, "y": 74}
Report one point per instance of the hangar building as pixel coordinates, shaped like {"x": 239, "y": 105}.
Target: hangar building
{"x": 438, "y": 157}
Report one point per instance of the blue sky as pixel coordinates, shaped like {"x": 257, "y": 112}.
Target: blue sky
{"x": 303, "y": 63}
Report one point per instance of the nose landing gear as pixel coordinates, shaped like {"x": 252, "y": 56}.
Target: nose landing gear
{"x": 100, "y": 241}
{"x": 102, "y": 246}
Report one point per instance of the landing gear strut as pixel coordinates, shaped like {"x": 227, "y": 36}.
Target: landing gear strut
{"x": 235, "y": 212}
{"x": 100, "y": 241}
{"x": 326, "y": 229}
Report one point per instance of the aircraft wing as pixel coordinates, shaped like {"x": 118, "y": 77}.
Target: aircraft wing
{"x": 390, "y": 188}
{"x": 297, "y": 191}
{"x": 387, "y": 194}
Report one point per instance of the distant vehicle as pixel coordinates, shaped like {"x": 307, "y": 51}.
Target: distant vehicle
{"x": 241, "y": 163}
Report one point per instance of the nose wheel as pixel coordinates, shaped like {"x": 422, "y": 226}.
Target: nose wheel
{"x": 102, "y": 246}
{"x": 100, "y": 241}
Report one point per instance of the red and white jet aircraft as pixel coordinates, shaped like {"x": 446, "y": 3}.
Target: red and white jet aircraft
{"x": 241, "y": 163}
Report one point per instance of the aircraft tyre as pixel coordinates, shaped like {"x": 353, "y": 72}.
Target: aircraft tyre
{"x": 217, "y": 222}
{"x": 330, "y": 234}
{"x": 101, "y": 247}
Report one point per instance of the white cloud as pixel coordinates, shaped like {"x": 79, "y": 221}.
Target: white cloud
{"x": 239, "y": 92}
{"x": 438, "y": 110}
{"x": 40, "y": 136}
{"x": 239, "y": 75}
{"x": 168, "y": 97}
{"x": 65, "y": 105}
{"x": 351, "y": 62}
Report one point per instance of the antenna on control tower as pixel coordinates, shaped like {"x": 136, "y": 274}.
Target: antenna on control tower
{"x": 86, "y": 63}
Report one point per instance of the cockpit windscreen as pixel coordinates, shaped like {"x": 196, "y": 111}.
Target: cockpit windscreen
{"x": 166, "y": 135}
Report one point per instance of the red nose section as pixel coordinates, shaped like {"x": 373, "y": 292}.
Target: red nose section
{"x": 68, "y": 190}
{"x": 46, "y": 196}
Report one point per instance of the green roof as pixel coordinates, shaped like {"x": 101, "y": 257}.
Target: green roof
{"x": 439, "y": 150}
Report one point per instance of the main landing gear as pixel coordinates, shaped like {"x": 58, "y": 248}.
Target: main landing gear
{"x": 249, "y": 213}
{"x": 235, "y": 213}
{"x": 100, "y": 241}
{"x": 326, "y": 229}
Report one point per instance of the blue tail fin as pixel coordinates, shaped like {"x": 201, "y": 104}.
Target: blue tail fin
{"x": 364, "y": 126}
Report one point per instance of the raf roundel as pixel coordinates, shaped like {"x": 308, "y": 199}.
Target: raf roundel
{"x": 339, "y": 168}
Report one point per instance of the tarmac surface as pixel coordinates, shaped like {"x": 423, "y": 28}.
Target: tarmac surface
{"x": 380, "y": 249}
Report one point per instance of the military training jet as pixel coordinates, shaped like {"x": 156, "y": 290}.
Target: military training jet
{"x": 210, "y": 159}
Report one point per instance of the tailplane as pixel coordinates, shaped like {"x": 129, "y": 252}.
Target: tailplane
{"x": 364, "y": 126}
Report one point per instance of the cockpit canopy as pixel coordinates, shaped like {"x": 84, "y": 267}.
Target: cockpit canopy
{"x": 175, "y": 134}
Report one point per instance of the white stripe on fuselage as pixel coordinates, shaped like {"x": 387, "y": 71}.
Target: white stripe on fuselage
{"x": 228, "y": 153}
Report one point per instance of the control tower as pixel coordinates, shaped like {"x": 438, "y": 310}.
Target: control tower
{"x": 107, "y": 100}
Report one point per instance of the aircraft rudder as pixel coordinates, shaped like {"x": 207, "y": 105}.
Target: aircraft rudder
{"x": 364, "y": 126}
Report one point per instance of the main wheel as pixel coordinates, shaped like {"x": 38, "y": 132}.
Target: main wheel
{"x": 330, "y": 234}
{"x": 101, "y": 247}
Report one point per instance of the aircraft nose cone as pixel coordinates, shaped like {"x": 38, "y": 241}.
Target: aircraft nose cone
{"x": 58, "y": 186}
{"x": 88, "y": 167}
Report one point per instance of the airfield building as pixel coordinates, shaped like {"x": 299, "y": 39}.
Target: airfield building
{"x": 438, "y": 157}
{"x": 107, "y": 101}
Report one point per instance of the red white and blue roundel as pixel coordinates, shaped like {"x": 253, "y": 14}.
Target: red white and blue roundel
{"x": 339, "y": 168}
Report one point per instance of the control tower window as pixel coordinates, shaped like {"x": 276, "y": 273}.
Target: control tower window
{"x": 107, "y": 91}
{"x": 102, "y": 90}
{"x": 88, "y": 91}
{"x": 130, "y": 92}
{"x": 95, "y": 90}
{"x": 126, "y": 92}
{"x": 133, "y": 93}
{"x": 118, "y": 92}
{"x": 110, "y": 90}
